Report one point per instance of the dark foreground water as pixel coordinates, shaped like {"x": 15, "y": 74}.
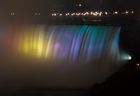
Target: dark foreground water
{"x": 46, "y": 92}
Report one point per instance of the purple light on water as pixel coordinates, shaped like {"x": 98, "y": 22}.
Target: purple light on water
{"x": 57, "y": 45}
{"x": 75, "y": 56}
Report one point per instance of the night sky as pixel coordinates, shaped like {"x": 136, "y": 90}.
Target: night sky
{"x": 33, "y": 5}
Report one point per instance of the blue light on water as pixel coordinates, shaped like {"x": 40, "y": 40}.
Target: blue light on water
{"x": 78, "y": 55}
{"x": 76, "y": 43}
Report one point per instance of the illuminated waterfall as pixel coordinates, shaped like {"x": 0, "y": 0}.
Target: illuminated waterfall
{"x": 72, "y": 43}
{"x": 89, "y": 49}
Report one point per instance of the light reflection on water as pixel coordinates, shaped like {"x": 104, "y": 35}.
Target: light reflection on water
{"x": 56, "y": 42}
{"x": 72, "y": 56}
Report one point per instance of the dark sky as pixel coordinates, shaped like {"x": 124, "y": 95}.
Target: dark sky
{"x": 27, "y": 5}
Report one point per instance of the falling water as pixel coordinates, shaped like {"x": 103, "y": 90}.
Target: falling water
{"x": 73, "y": 56}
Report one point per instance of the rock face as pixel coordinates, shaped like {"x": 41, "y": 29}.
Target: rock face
{"x": 122, "y": 83}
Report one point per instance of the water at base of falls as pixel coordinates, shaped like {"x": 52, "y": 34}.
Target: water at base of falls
{"x": 71, "y": 56}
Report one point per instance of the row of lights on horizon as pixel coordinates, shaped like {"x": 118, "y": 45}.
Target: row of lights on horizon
{"x": 35, "y": 14}
{"x": 91, "y": 13}
{"x": 87, "y": 13}
{"x": 126, "y": 12}
{"x": 57, "y": 5}
{"x": 82, "y": 14}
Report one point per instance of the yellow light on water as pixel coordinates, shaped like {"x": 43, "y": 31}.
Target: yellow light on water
{"x": 40, "y": 44}
{"x": 32, "y": 42}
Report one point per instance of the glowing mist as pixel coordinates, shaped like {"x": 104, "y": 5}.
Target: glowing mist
{"x": 73, "y": 56}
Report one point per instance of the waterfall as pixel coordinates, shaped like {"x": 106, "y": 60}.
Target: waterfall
{"x": 77, "y": 55}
